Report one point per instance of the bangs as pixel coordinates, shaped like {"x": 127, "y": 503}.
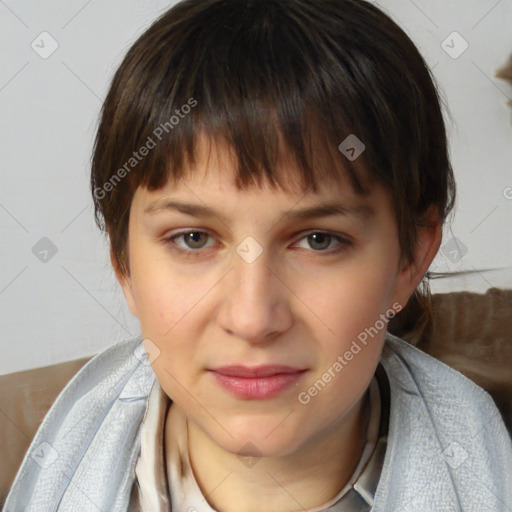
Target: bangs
{"x": 283, "y": 153}
{"x": 270, "y": 94}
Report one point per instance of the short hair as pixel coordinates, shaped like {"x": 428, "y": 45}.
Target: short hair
{"x": 267, "y": 77}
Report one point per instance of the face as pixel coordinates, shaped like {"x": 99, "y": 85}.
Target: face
{"x": 266, "y": 307}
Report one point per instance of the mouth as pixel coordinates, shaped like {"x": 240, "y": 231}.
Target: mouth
{"x": 257, "y": 383}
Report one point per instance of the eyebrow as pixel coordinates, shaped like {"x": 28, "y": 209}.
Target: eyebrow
{"x": 330, "y": 209}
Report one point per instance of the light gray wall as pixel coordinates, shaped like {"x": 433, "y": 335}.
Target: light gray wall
{"x": 55, "y": 307}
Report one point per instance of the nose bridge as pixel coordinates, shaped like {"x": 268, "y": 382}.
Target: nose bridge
{"x": 252, "y": 272}
{"x": 252, "y": 283}
{"x": 255, "y": 303}
{"x": 253, "y": 279}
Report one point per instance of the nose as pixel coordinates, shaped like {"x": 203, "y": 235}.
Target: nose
{"x": 255, "y": 304}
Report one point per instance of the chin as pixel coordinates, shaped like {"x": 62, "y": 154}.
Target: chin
{"x": 258, "y": 439}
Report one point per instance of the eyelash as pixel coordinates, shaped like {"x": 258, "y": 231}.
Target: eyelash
{"x": 344, "y": 243}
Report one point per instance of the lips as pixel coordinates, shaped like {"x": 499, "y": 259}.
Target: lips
{"x": 257, "y": 383}
{"x": 257, "y": 371}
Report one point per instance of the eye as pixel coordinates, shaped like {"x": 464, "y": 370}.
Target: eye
{"x": 319, "y": 241}
{"x": 190, "y": 242}
{"x": 191, "y": 239}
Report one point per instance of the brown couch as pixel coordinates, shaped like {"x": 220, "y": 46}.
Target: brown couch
{"x": 470, "y": 332}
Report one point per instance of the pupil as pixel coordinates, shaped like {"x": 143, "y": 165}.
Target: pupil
{"x": 195, "y": 237}
{"x": 318, "y": 238}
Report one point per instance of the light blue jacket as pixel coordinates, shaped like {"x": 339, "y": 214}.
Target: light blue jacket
{"x": 448, "y": 448}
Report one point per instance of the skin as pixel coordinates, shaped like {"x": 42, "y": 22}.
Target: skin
{"x": 298, "y": 303}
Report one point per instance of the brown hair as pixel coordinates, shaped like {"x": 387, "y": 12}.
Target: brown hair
{"x": 267, "y": 76}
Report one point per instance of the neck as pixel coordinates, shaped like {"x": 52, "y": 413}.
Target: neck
{"x": 307, "y": 478}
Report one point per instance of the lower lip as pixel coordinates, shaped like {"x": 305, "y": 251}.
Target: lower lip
{"x": 258, "y": 388}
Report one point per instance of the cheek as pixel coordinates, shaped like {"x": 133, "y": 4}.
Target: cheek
{"x": 164, "y": 297}
{"x": 351, "y": 302}
{"x": 167, "y": 319}
{"x": 157, "y": 307}
{"x": 351, "y": 347}
{"x": 168, "y": 304}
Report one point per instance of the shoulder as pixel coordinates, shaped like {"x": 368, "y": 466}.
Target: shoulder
{"x": 121, "y": 355}
{"x": 121, "y": 368}
{"x": 414, "y": 368}
{"x": 452, "y": 403}
{"x": 90, "y": 431}
{"x": 447, "y": 443}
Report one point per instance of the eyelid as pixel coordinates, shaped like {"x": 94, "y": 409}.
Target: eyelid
{"x": 334, "y": 234}
{"x": 344, "y": 241}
